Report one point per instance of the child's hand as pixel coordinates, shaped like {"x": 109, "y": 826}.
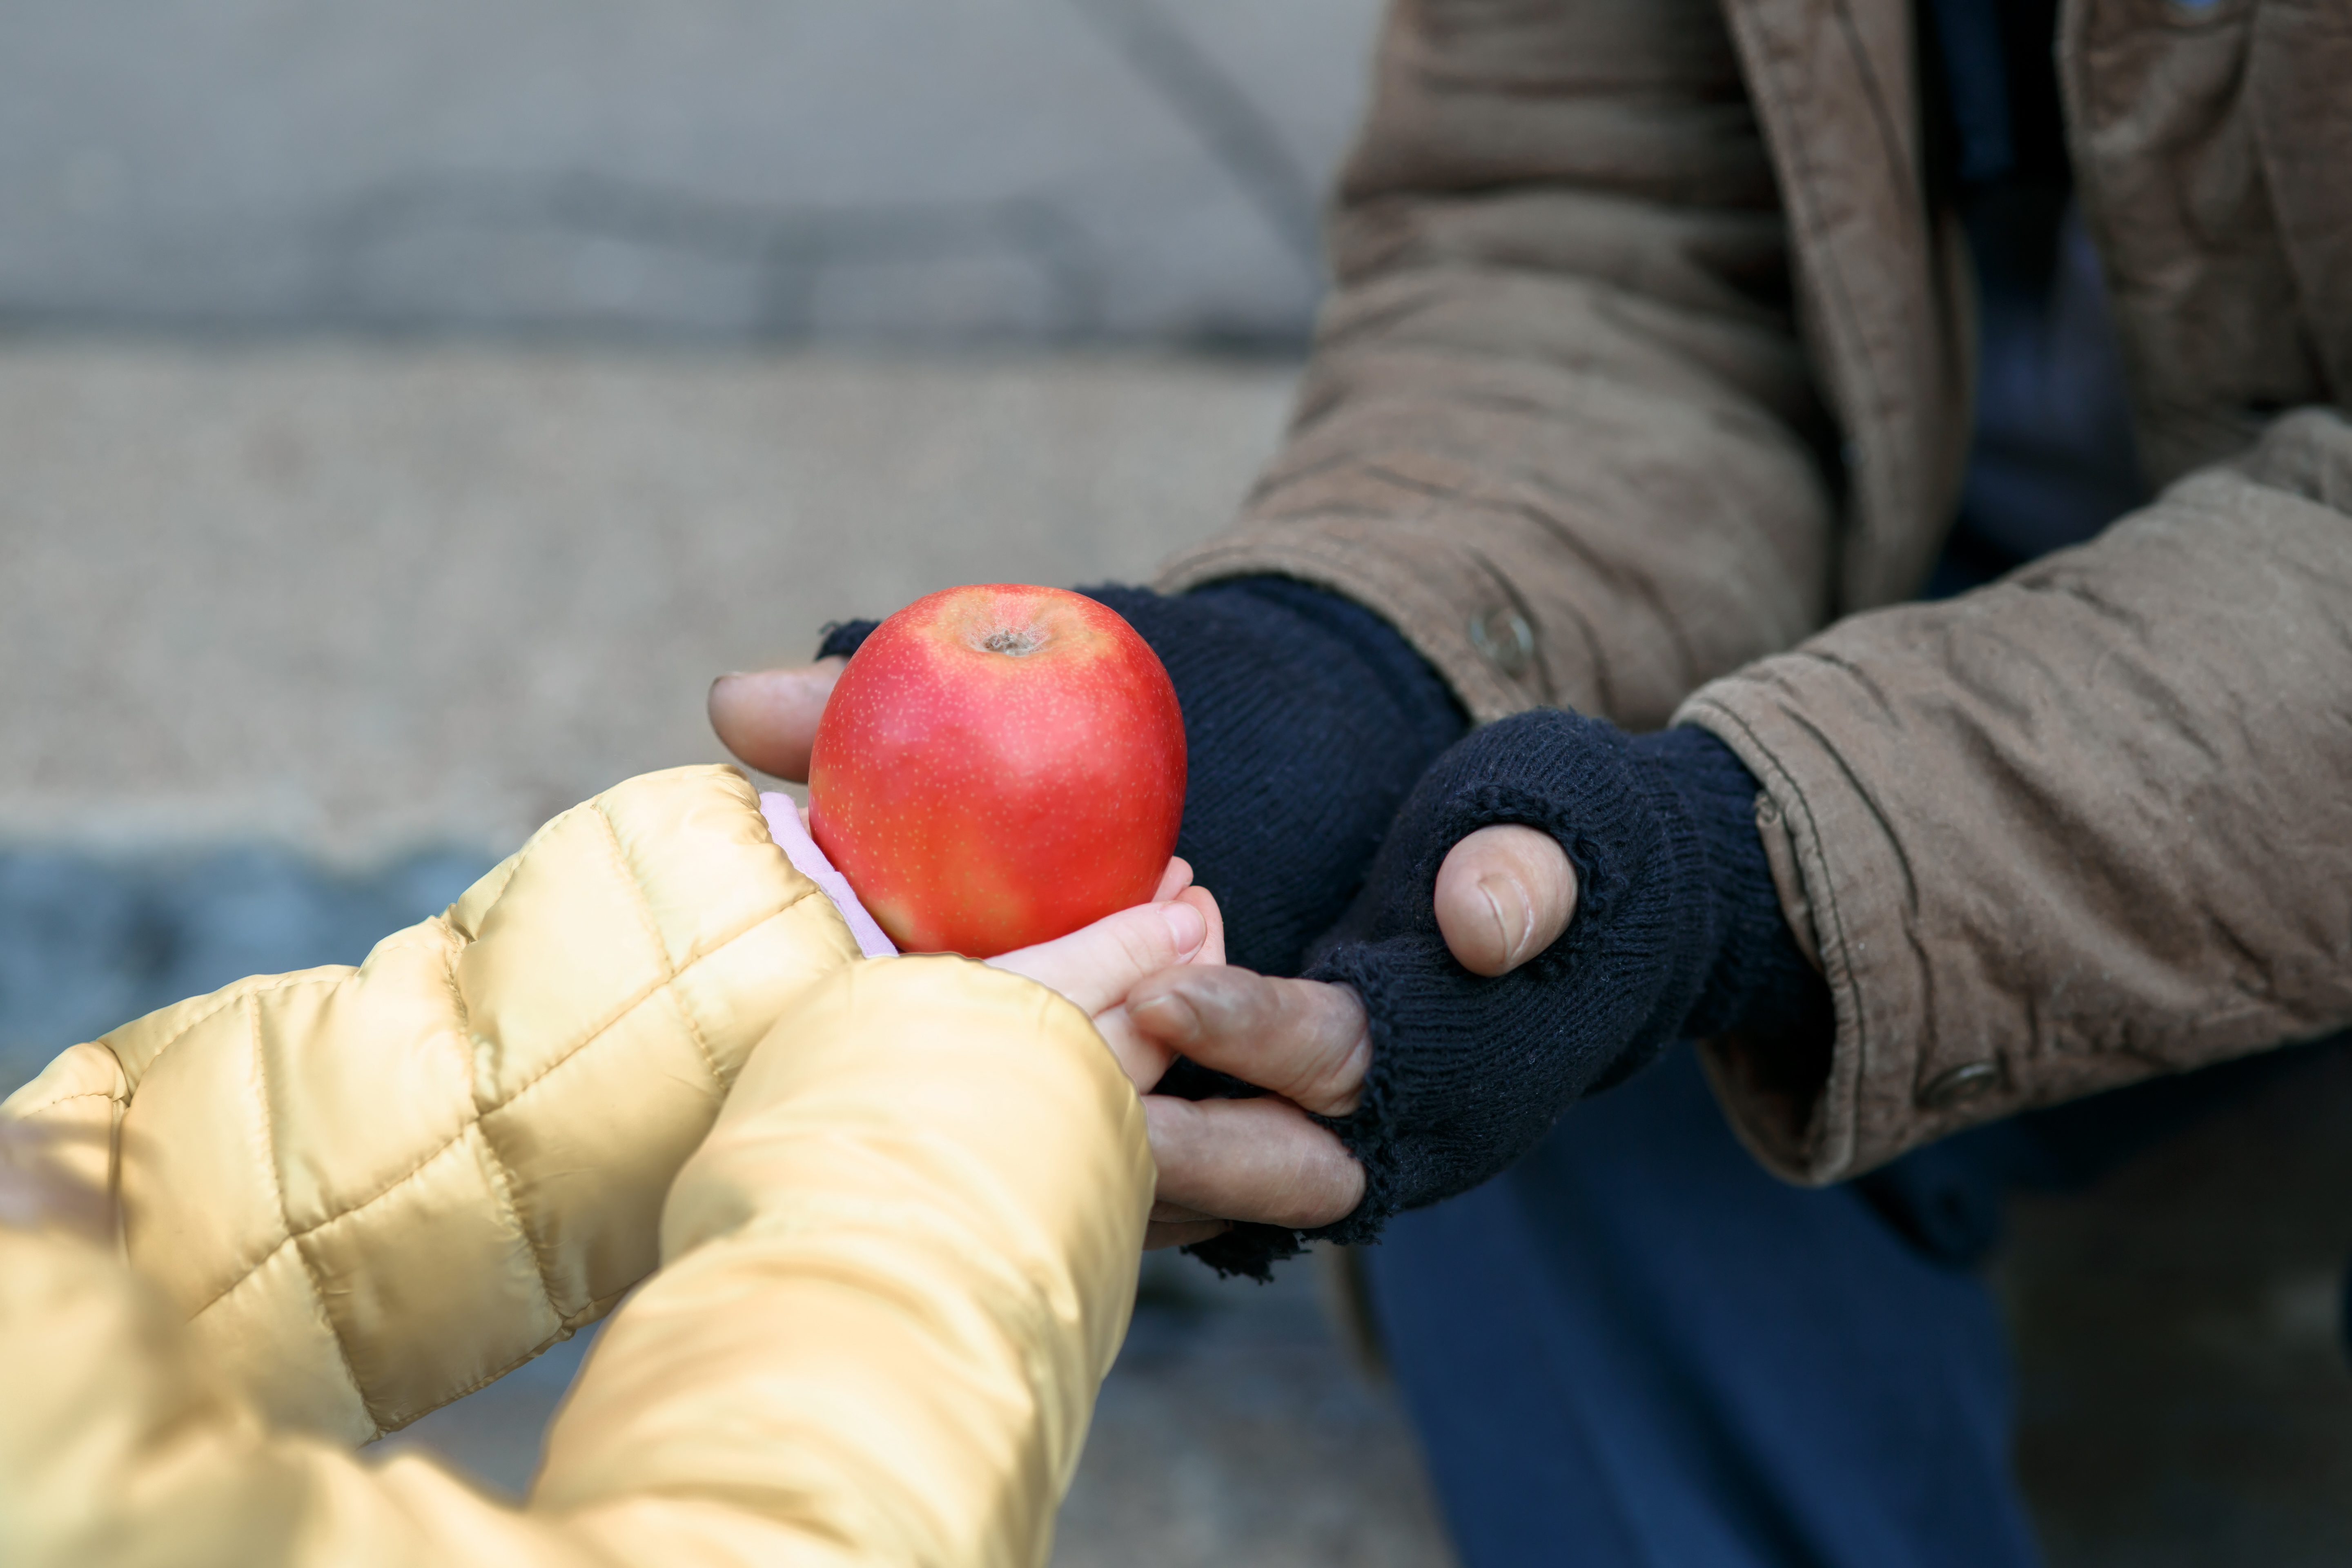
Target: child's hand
{"x": 1097, "y": 965}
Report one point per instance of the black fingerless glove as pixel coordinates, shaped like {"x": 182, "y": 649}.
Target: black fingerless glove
{"x": 1307, "y": 718}
{"x": 1677, "y": 932}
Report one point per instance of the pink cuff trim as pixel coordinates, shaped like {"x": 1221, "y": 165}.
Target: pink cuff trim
{"x": 791, "y": 837}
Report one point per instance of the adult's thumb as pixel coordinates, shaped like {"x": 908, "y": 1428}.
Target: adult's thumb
{"x": 768, "y": 718}
{"x": 1504, "y": 894}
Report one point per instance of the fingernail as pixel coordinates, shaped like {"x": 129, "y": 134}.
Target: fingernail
{"x": 1187, "y": 925}
{"x": 1167, "y": 1018}
{"x": 1512, "y": 915}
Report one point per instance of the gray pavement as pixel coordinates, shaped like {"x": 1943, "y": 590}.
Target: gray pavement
{"x": 1234, "y": 1430}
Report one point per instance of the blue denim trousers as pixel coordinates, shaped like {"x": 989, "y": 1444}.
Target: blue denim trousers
{"x": 1637, "y": 1348}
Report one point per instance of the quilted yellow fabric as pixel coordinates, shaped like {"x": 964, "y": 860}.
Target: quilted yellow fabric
{"x": 892, "y": 1279}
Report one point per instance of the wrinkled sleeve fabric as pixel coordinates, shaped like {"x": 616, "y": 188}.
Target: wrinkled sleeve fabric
{"x": 1557, "y": 427}
{"x": 893, "y": 1277}
{"x": 370, "y": 1191}
{"x": 2087, "y": 825}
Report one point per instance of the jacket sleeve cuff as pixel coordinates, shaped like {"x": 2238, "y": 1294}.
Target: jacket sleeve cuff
{"x": 2068, "y": 831}
{"x": 1805, "y": 1121}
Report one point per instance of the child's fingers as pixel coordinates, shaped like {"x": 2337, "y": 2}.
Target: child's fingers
{"x": 1177, "y": 883}
{"x": 1144, "y": 1060}
{"x": 1097, "y": 965}
{"x": 1212, "y": 950}
{"x": 1174, "y": 880}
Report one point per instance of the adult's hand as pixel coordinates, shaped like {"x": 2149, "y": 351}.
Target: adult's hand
{"x": 1307, "y": 719}
{"x": 1508, "y": 892}
{"x": 1503, "y": 894}
{"x": 1480, "y": 1016}
{"x": 1502, "y": 897}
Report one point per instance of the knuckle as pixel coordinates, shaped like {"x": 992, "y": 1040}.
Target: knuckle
{"x": 1136, "y": 945}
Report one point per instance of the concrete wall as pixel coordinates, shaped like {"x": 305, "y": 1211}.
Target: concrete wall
{"x": 778, "y": 170}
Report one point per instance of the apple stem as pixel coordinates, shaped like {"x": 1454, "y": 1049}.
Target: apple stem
{"x": 1016, "y": 643}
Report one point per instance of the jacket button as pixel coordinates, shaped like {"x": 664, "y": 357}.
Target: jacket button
{"x": 1503, "y": 637}
{"x": 1958, "y": 1085}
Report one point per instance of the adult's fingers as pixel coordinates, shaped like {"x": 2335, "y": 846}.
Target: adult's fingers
{"x": 1504, "y": 894}
{"x": 1251, "y": 1160}
{"x": 1174, "y": 879}
{"x": 1158, "y": 1234}
{"x": 768, "y": 716}
{"x": 1173, "y": 1225}
{"x": 1302, "y": 1039}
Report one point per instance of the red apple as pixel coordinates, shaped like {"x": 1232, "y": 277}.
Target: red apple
{"x": 998, "y": 766}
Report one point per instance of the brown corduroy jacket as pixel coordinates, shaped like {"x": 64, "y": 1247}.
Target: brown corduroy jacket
{"x": 1614, "y": 274}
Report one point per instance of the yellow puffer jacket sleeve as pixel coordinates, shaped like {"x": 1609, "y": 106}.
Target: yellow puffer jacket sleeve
{"x": 372, "y": 1191}
{"x": 892, "y": 1279}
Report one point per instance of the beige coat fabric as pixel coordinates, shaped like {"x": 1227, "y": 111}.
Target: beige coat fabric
{"x": 1650, "y": 356}
{"x": 891, "y": 1277}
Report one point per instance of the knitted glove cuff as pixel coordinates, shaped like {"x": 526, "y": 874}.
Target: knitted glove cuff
{"x": 839, "y": 639}
{"x": 1759, "y": 975}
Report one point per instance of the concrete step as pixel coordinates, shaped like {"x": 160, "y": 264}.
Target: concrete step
{"x": 363, "y": 601}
